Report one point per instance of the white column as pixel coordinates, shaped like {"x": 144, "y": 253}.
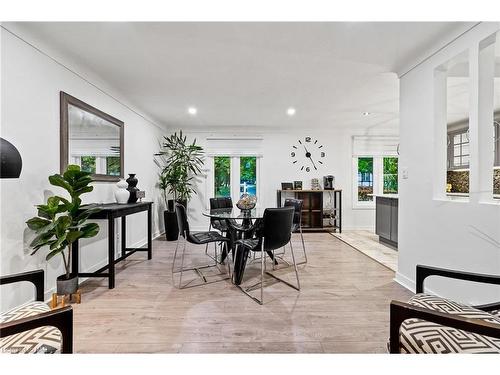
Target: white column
{"x": 485, "y": 131}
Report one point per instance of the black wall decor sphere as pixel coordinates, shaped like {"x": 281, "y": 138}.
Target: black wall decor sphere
{"x": 308, "y": 154}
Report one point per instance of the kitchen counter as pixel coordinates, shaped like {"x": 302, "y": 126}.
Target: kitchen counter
{"x": 386, "y": 219}
{"x": 393, "y": 196}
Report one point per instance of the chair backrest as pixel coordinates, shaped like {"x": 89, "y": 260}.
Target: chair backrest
{"x": 182, "y": 221}
{"x": 297, "y": 205}
{"x": 221, "y": 202}
{"x": 276, "y": 225}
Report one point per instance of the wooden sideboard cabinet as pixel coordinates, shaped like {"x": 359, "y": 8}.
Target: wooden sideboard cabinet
{"x": 321, "y": 210}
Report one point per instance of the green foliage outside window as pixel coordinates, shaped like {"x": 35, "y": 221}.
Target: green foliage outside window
{"x": 248, "y": 169}
{"x": 222, "y": 176}
{"x": 88, "y": 164}
{"x": 365, "y": 179}
{"x": 113, "y": 165}
{"x": 365, "y": 165}
{"x": 248, "y": 175}
{"x": 390, "y": 175}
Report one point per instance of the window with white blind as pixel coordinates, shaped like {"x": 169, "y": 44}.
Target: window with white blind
{"x": 234, "y": 164}
{"x": 375, "y": 169}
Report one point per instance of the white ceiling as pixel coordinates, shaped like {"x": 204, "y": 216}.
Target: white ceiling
{"x": 248, "y": 74}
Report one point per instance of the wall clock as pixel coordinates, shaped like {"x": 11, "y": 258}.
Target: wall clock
{"x": 308, "y": 154}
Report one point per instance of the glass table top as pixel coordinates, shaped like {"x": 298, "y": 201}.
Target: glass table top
{"x": 235, "y": 213}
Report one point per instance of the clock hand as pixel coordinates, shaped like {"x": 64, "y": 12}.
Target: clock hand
{"x": 312, "y": 161}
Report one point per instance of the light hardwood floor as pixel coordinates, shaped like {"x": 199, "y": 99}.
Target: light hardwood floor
{"x": 343, "y": 307}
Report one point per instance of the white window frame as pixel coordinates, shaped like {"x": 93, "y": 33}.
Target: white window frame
{"x": 378, "y": 180}
{"x": 234, "y": 176}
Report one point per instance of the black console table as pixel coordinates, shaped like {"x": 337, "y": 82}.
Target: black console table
{"x": 111, "y": 211}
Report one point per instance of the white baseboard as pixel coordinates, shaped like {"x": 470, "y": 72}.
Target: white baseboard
{"x": 370, "y": 228}
{"x": 48, "y": 293}
{"x": 405, "y": 282}
{"x": 410, "y": 284}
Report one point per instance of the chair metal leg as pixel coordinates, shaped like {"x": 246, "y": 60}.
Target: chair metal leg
{"x": 263, "y": 271}
{"x": 206, "y": 247}
{"x": 262, "y": 266}
{"x": 175, "y": 255}
{"x": 228, "y": 261}
{"x": 303, "y": 247}
{"x": 295, "y": 266}
{"x": 195, "y": 269}
{"x": 297, "y": 287}
{"x": 182, "y": 262}
{"x": 215, "y": 253}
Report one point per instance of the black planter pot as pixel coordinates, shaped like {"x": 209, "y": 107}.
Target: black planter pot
{"x": 171, "y": 228}
{"x": 67, "y": 285}
{"x": 170, "y": 219}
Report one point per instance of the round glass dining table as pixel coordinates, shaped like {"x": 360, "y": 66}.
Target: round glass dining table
{"x": 236, "y": 230}
{"x": 235, "y": 213}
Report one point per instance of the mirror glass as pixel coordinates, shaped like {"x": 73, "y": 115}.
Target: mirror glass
{"x": 91, "y": 139}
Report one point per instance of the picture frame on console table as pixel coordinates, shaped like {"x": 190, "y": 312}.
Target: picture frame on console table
{"x": 297, "y": 185}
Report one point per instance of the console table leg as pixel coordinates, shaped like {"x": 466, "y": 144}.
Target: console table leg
{"x": 124, "y": 234}
{"x": 111, "y": 252}
{"x": 150, "y": 239}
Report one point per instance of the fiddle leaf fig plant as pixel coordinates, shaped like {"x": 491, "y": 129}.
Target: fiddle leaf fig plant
{"x": 60, "y": 222}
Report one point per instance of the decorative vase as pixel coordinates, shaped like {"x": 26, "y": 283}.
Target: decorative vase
{"x": 132, "y": 188}
{"x": 121, "y": 193}
{"x": 67, "y": 285}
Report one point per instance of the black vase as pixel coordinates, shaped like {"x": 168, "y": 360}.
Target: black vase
{"x": 132, "y": 188}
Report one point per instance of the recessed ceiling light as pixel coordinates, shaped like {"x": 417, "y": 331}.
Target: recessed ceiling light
{"x": 192, "y": 111}
{"x": 290, "y": 111}
{"x": 366, "y": 113}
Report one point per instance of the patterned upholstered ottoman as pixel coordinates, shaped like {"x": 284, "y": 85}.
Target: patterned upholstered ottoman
{"x": 419, "y": 336}
{"x": 42, "y": 340}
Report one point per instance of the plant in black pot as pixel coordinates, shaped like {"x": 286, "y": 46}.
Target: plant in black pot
{"x": 179, "y": 162}
{"x": 62, "y": 221}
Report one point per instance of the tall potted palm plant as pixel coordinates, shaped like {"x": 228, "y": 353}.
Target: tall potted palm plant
{"x": 62, "y": 221}
{"x": 179, "y": 162}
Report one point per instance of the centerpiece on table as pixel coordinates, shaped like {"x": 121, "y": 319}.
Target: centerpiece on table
{"x": 247, "y": 202}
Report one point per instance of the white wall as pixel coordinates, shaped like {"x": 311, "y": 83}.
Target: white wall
{"x": 30, "y": 85}
{"x": 276, "y": 167}
{"x": 433, "y": 230}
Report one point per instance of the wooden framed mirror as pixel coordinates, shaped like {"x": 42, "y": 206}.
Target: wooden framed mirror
{"x": 91, "y": 139}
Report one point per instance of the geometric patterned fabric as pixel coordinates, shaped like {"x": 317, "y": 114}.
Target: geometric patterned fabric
{"x": 420, "y": 336}
{"x": 40, "y": 340}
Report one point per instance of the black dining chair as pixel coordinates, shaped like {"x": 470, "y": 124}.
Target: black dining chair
{"x": 273, "y": 233}
{"x": 196, "y": 238}
{"x": 297, "y": 221}
{"x": 220, "y": 225}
